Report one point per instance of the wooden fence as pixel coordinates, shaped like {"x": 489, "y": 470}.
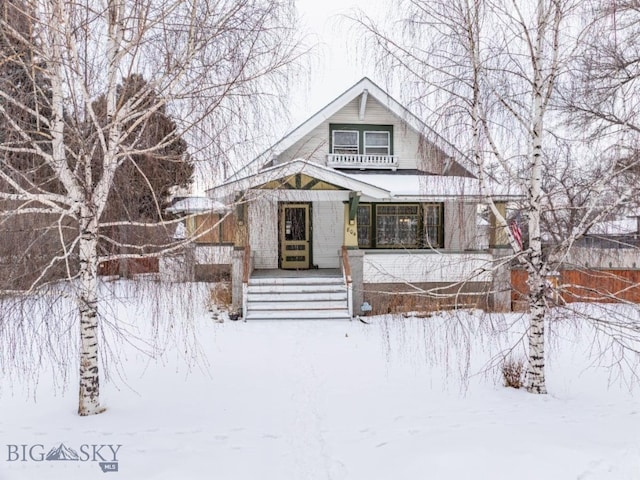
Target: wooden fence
{"x": 129, "y": 266}
{"x": 584, "y": 285}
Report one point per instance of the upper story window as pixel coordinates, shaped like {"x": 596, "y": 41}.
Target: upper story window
{"x": 377, "y": 143}
{"x": 346, "y": 141}
{"x": 361, "y": 139}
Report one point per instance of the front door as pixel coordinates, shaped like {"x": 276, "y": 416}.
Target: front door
{"x": 294, "y": 235}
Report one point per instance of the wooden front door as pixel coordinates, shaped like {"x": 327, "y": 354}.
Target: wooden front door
{"x": 295, "y": 236}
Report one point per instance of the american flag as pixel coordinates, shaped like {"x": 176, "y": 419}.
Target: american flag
{"x": 516, "y": 233}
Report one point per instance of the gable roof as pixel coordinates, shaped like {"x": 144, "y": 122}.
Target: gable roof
{"x": 395, "y": 107}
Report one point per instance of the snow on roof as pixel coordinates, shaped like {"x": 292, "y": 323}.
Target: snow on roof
{"x": 431, "y": 186}
{"x": 198, "y": 205}
{"x": 382, "y": 186}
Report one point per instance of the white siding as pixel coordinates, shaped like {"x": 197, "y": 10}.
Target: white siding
{"x": 327, "y": 233}
{"x": 213, "y": 254}
{"x": 425, "y": 267}
{"x": 460, "y": 226}
{"x": 263, "y": 232}
{"x": 315, "y": 146}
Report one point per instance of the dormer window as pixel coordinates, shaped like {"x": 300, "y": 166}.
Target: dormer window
{"x": 361, "y": 146}
{"x": 377, "y": 143}
{"x": 346, "y": 141}
{"x": 356, "y": 139}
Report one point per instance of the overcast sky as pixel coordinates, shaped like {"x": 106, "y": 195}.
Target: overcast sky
{"x": 333, "y": 68}
{"x": 336, "y": 66}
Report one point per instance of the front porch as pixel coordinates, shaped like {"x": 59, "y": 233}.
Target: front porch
{"x": 388, "y": 281}
{"x": 375, "y": 229}
{"x": 322, "y": 294}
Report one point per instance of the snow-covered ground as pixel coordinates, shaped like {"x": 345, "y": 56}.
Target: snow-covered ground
{"x": 321, "y": 400}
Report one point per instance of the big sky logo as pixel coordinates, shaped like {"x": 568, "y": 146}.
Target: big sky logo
{"x": 105, "y": 455}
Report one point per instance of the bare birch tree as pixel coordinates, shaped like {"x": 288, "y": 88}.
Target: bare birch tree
{"x": 494, "y": 72}
{"x": 208, "y": 64}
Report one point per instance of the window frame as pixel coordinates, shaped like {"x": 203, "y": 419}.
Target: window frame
{"x": 333, "y": 142}
{"x": 365, "y": 146}
{"x": 369, "y": 226}
{"x": 439, "y": 225}
{"x": 361, "y": 129}
{"x": 397, "y": 216}
{"x": 421, "y": 235}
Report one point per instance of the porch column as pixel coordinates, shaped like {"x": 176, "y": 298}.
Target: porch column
{"x": 356, "y": 261}
{"x": 241, "y": 234}
{"x": 498, "y": 237}
{"x": 499, "y": 246}
{"x": 190, "y": 225}
{"x": 240, "y": 240}
{"x": 350, "y": 238}
{"x": 237, "y": 260}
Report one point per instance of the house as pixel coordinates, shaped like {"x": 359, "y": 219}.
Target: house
{"x": 371, "y": 198}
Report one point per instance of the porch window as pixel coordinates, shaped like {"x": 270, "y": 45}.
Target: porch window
{"x": 397, "y": 225}
{"x": 364, "y": 226}
{"x": 400, "y": 225}
{"x": 377, "y": 143}
{"x": 346, "y": 141}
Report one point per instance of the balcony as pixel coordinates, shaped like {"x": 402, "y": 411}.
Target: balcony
{"x": 363, "y": 162}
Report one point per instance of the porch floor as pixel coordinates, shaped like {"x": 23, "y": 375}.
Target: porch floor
{"x": 313, "y": 273}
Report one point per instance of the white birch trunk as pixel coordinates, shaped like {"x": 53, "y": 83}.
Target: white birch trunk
{"x": 537, "y": 303}
{"x": 89, "y": 400}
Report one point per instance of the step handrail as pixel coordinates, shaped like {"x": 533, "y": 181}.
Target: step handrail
{"x": 246, "y": 273}
{"x": 346, "y": 274}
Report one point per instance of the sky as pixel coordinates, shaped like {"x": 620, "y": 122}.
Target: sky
{"x": 335, "y": 65}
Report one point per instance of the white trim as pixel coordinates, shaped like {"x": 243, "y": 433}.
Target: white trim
{"x": 364, "y": 142}
{"x": 363, "y": 104}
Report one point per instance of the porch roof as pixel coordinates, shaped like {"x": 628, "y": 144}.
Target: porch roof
{"x": 435, "y": 187}
{"x": 398, "y": 185}
{"x": 198, "y": 205}
{"x": 294, "y": 167}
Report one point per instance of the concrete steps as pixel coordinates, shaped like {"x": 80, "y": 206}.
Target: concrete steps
{"x": 297, "y": 298}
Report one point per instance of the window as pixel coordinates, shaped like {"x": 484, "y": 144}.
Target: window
{"x": 364, "y": 226}
{"x": 400, "y": 225}
{"x": 377, "y": 143}
{"x": 356, "y": 139}
{"x": 433, "y": 231}
{"x": 345, "y": 141}
{"x": 397, "y": 225}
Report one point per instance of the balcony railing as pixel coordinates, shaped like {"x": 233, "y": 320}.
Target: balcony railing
{"x": 352, "y": 160}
